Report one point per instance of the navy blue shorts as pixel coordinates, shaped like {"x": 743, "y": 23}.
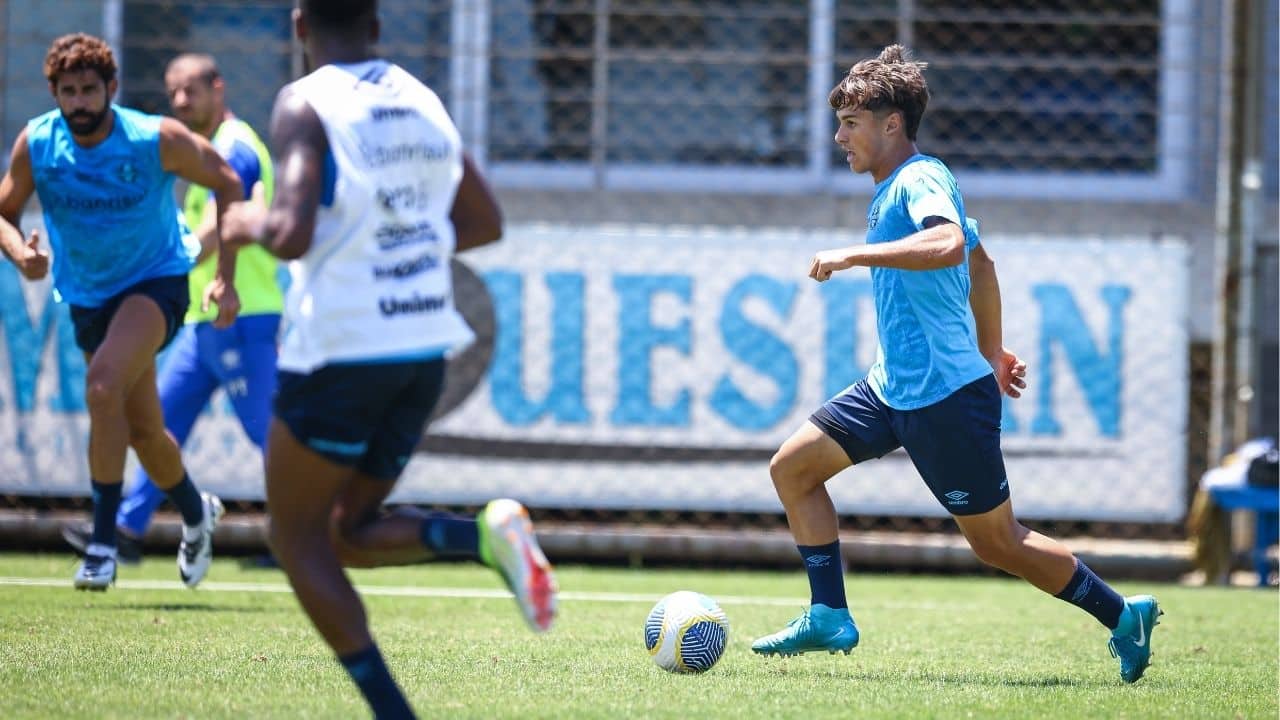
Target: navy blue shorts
{"x": 369, "y": 416}
{"x": 170, "y": 293}
{"x": 954, "y": 443}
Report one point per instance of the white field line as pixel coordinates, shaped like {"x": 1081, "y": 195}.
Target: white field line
{"x": 463, "y": 593}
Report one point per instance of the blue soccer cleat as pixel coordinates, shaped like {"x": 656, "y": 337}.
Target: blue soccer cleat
{"x": 1134, "y": 647}
{"x": 819, "y": 628}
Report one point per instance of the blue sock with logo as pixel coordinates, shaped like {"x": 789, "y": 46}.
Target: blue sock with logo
{"x": 826, "y": 574}
{"x": 187, "y": 498}
{"x": 1089, "y": 593}
{"x": 450, "y": 536}
{"x": 369, "y": 672}
{"x": 106, "y": 502}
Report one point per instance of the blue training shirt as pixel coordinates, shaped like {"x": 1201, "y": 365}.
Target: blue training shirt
{"x": 928, "y": 340}
{"x": 109, "y": 210}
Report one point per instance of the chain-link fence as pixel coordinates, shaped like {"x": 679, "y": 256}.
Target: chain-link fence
{"x": 634, "y": 366}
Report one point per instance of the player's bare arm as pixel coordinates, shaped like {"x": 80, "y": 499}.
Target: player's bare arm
{"x": 984, "y": 300}
{"x": 207, "y": 233}
{"x": 299, "y": 145}
{"x": 191, "y": 157}
{"x": 940, "y": 244}
{"x": 15, "y": 189}
{"x": 476, "y": 218}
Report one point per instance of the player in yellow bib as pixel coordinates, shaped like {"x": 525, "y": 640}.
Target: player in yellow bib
{"x": 241, "y": 359}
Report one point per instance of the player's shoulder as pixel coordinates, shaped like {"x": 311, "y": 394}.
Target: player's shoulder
{"x": 925, "y": 167}
{"x": 43, "y": 121}
{"x": 138, "y": 118}
{"x": 40, "y": 129}
{"x": 235, "y": 133}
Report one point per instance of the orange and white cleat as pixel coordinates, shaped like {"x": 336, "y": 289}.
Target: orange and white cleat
{"x": 508, "y": 545}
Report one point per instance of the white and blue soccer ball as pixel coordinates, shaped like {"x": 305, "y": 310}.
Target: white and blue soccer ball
{"x": 686, "y": 632}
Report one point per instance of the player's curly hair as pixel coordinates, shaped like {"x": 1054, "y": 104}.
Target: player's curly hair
{"x": 79, "y": 51}
{"x": 891, "y": 81}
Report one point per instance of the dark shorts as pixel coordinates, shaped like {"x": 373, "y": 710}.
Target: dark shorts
{"x": 170, "y": 293}
{"x": 366, "y": 416}
{"x": 954, "y": 443}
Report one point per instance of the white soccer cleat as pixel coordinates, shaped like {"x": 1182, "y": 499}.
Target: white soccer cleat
{"x": 508, "y": 545}
{"x": 97, "y": 570}
{"x": 194, "y": 557}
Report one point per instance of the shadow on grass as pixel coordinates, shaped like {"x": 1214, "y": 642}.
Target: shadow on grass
{"x": 191, "y": 607}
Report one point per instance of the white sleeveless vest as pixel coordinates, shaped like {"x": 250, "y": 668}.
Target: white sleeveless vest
{"x": 375, "y": 284}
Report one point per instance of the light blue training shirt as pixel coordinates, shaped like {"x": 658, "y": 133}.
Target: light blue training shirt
{"x": 928, "y": 340}
{"x": 109, "y": 210}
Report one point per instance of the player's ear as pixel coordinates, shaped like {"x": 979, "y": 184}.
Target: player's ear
{"x": 111, "y": 88}
{"x": 893, "y": 122}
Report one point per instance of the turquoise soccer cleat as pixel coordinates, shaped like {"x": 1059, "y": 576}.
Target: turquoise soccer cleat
{"x": 1134, "y": 647}
{"x": 819, "y": 628}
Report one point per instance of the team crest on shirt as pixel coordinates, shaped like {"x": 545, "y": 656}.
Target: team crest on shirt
{"x": 873, "y": 218}
{"x": 127, "y": 173}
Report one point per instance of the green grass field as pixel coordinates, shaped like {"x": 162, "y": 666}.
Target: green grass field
{"x": 931, "y": 647}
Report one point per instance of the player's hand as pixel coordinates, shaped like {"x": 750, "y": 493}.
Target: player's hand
{"x": 827, "y": 262}
{"x": 1010, "y": 371}
{"x": 225, "y": 297}
{"x": 34, "y": 263}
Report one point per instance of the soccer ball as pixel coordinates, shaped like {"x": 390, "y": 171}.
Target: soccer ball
{"x": 686, "y": 632}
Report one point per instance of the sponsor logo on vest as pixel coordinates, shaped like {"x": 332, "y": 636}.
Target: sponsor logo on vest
{"x": 390, "y": 237}
{"x": 416, "y": 303}
{"x": 405, "y": 268}
{"x": 403, "y": 197}
{"x": 377, "y": 156}
{"x": 81, "y": 202}
{"x": 391, "y": 113}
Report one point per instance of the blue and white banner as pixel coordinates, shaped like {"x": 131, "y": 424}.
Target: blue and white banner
{"x": 660, "y": 368}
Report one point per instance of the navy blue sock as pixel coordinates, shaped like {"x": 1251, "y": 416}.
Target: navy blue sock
{"x": 187, "y": 498}
{"x": 826, "y": 574}
{"x": 370, "y": 674}
{"x": 450, "y": 536}
{"x": 106, "y": 502}
{"x": 1089, "y": 593}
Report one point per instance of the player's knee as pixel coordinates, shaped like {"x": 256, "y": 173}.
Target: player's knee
{"x": 146, "y": 432}
{"x": 351, "y": 555}
{"x": 346, "y": 537}
{"x": 790, "y": 474}
{"x": 142, "y": 437}
{"x": 103, "y": 393}
{"x": 996, "y": 549}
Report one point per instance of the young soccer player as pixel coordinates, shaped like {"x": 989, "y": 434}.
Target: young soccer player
{"x": 373, "y": 196}
{"x": 105, "y": 177}
{"x": 935, "y": 386}
{"x": 241, "y": 358}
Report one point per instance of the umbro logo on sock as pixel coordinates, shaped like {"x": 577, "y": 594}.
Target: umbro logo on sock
{"x": 818, "y": 560}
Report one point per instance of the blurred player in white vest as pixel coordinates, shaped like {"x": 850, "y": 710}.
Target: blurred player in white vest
{"x": 373, "y": 196}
